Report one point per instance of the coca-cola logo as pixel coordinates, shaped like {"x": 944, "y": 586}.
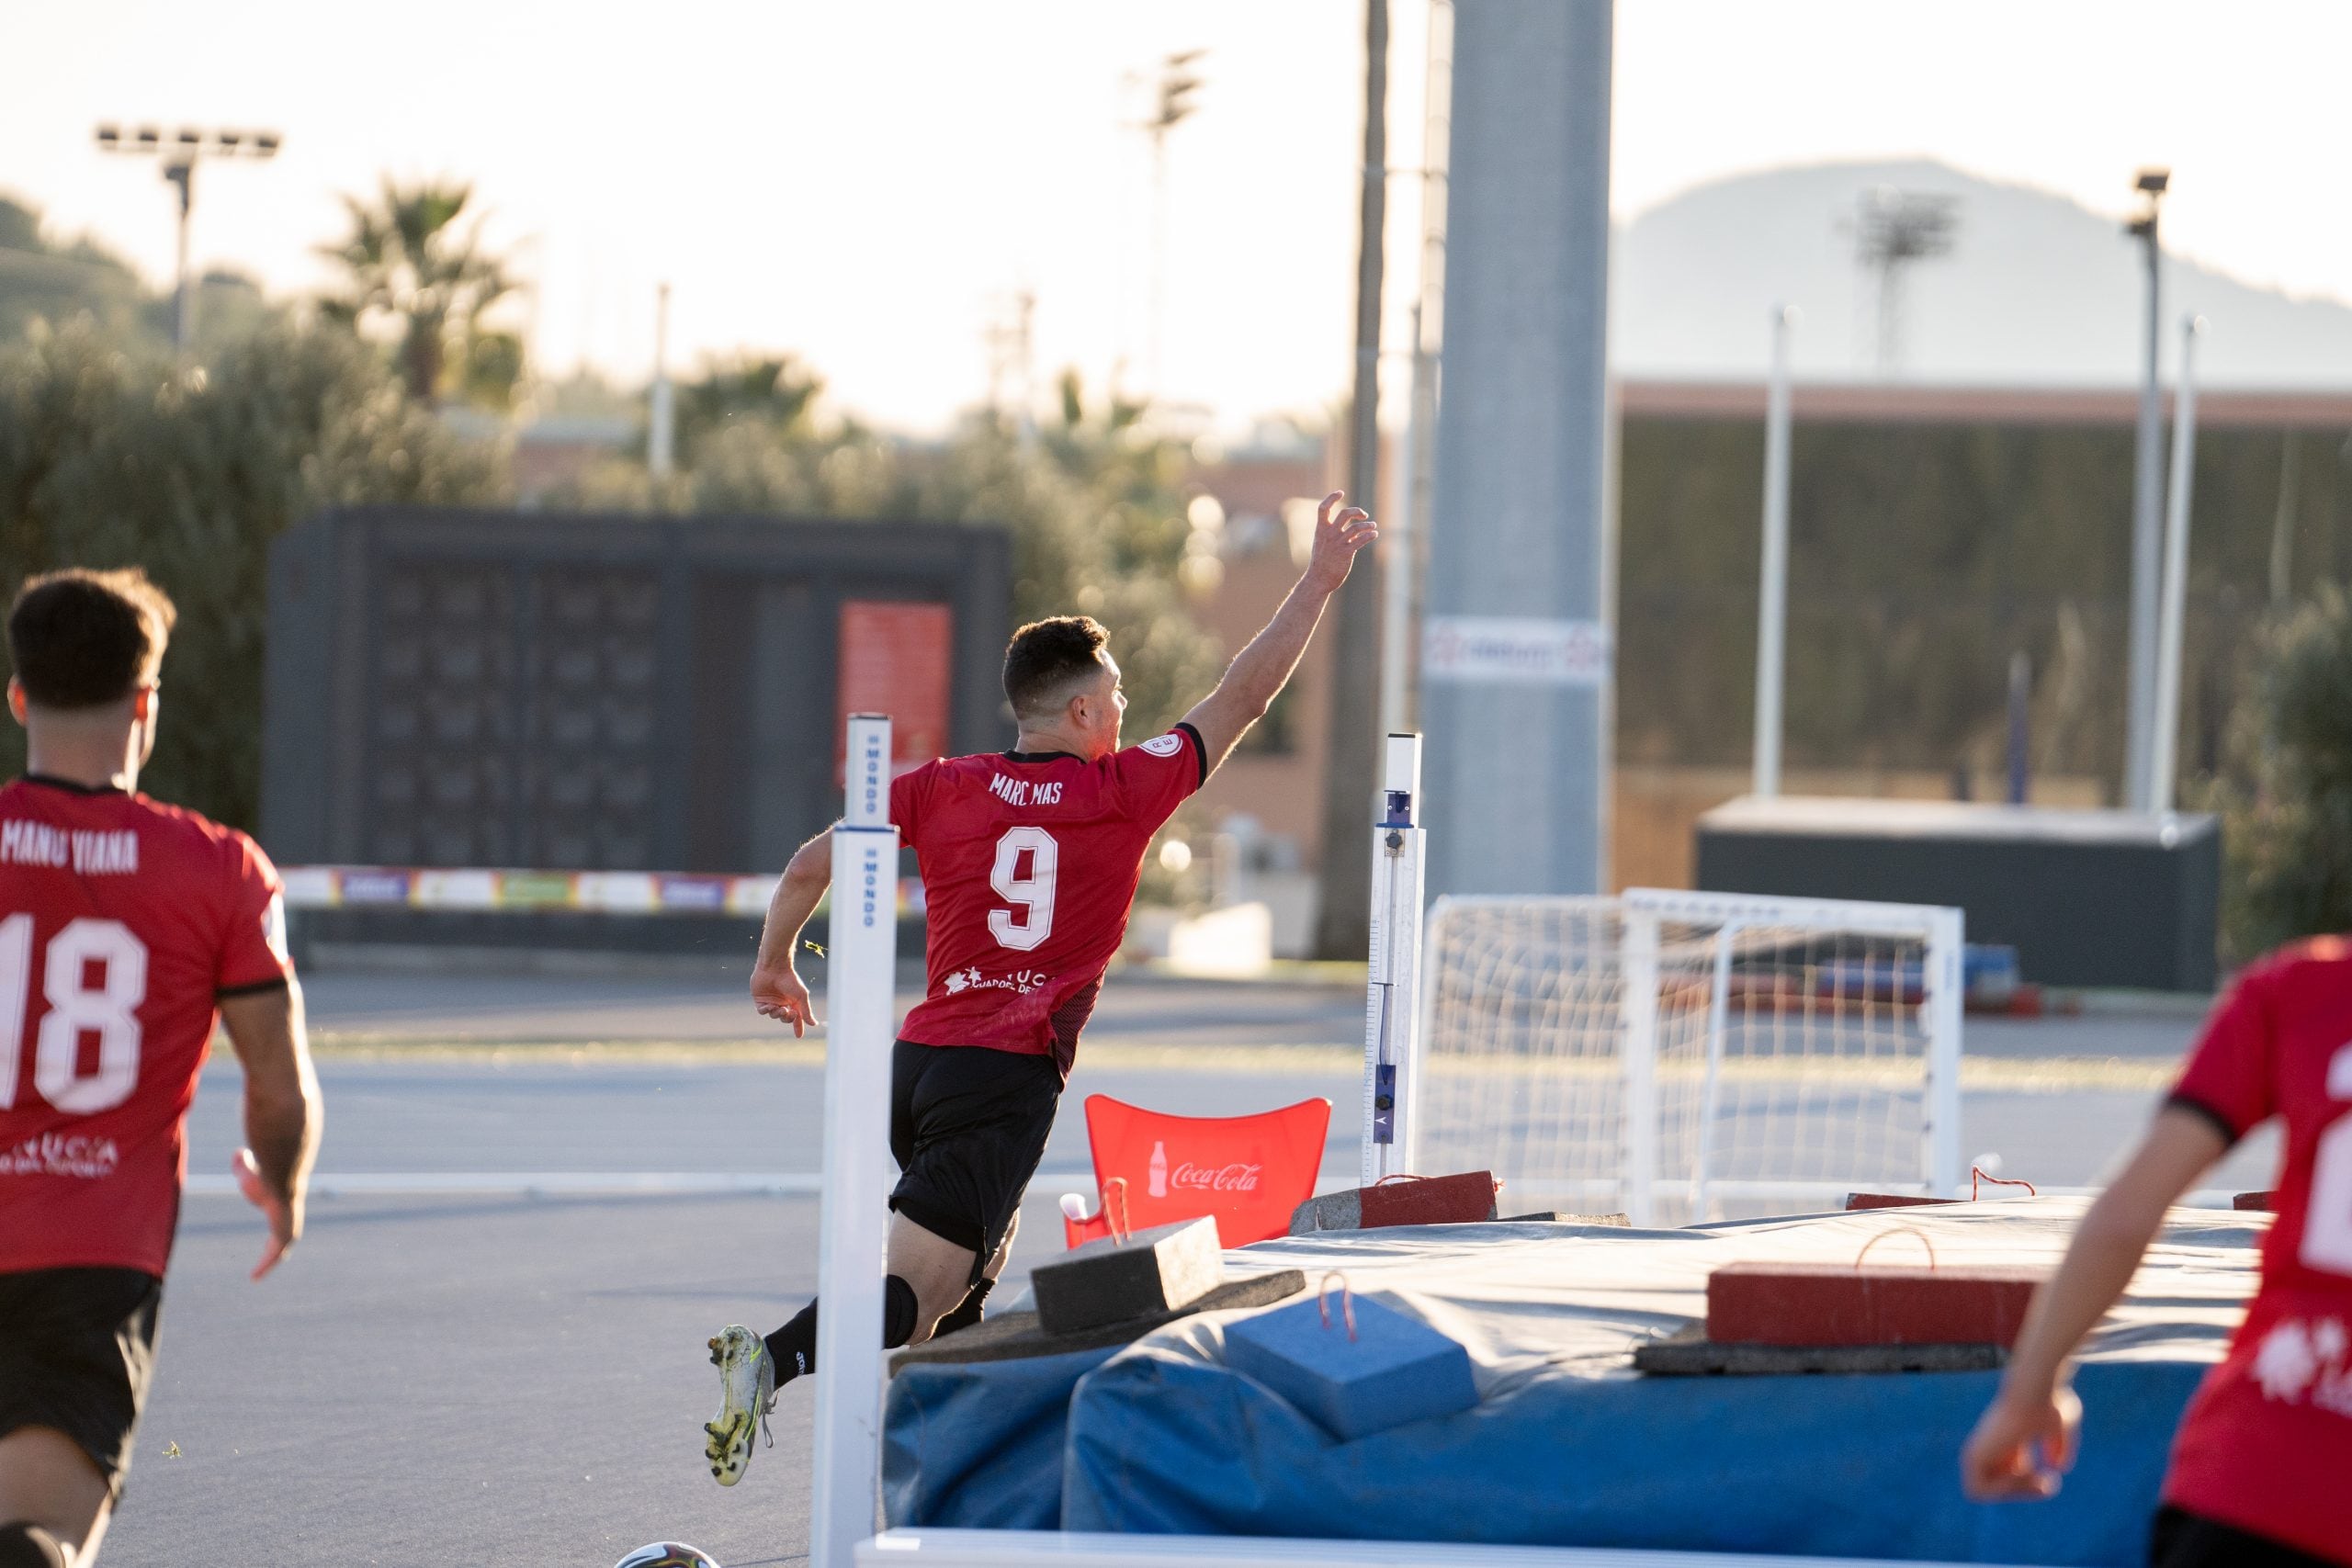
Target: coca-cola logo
{"x": 1234, "y": 1178}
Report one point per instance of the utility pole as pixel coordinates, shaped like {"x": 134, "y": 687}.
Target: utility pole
{"x": 179, "y": 155}
{"x": 2164, "y": 742}
{"x": 1772, "y": 596}
{"x": 2147, "y": 508}
{"x": 662, "y": 424}
{"x": 1343, "y": 924}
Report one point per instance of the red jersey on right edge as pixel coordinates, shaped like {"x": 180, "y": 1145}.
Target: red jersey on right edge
{"x": 2267, "y": 1444}
{"x": 1029, "y": 864}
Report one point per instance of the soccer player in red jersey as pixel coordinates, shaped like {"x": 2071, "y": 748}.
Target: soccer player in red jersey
{"x": 1029, "y": 861}
{"x": 2264, "y": 1456}
{"x": 126, "y": 927}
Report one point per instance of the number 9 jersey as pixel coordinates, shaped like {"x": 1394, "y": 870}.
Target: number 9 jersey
{"x": 1029, "y": 862}
{"x": 122, "y": 922}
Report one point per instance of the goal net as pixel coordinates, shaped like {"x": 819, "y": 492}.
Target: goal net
{"x": 1690, "y": 1055}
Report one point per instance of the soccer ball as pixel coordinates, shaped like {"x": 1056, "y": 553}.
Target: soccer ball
{"x": 668, "y": 1554}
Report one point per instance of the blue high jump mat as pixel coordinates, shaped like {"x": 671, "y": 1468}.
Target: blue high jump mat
{"x": 1567, "y": 1445}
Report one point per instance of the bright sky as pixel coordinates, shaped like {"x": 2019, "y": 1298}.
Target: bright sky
{"x": 868, "y": 183}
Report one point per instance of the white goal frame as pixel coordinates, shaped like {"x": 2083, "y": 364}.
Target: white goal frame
{"x": 1641, "y": 914}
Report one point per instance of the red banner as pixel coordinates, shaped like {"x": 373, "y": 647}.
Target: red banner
{"x": 894, "y": 659}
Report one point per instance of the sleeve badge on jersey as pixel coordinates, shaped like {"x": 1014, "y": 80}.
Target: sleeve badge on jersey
{"x": 1166, "y": 745}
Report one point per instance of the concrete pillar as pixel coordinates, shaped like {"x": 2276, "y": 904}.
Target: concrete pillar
{"x": 1516, "y": 663}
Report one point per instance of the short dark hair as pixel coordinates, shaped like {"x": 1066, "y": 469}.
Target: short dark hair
{"x": 87, "y": 639}
{"x": 1047, "y": 658}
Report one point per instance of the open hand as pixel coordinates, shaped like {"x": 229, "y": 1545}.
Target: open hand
{"x": 1339, "y": 533}
{"x": 2021, "y": 1446}
{"x": 783, "y": 997}
{"x": 285, "y": 1218}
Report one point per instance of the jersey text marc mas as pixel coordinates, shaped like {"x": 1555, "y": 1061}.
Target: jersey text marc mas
{"x": 1024, "y": 792}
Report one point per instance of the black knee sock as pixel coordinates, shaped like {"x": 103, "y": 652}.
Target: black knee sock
{"x": 967, "y": 1313}
{"x": 793, "y": 1348}
{"x": 24, "y": 1545}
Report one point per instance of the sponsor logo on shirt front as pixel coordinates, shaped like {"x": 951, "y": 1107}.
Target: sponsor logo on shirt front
{"x": 57, "y": 1154}
{"x": 2299, "y": 1363}
{"x": 90, "y": 854}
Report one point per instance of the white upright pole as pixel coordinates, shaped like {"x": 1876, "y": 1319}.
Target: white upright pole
{"x": 1398, "y": 643}
{"x": 1392, "y": 1032}
{"x": 2163, "y": 743}
{"x": 1772, "y": 597}
{"x": 1637, "y": 991}
{"x": 863, "y": 934}
{"x": 660, "y": 438}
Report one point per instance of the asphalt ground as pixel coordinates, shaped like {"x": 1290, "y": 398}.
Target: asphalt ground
{"x": 483, "y": 1351}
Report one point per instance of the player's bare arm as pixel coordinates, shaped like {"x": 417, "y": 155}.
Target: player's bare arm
{"x": 284, "y": 1113}
{"x": 777, "y": 989}
{"x": 2025, "y": 1440}
{"x": 1261, "y": 670}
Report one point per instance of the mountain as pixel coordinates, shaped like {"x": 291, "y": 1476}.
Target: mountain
{"x": 2037, "y": 290}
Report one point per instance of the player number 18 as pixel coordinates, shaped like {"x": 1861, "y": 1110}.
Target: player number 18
{"x": 108, "y": 1010}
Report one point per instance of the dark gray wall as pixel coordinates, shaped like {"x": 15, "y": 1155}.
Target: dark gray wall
{"x": 566, "y": 692}
{"x": 2088, "y": 898}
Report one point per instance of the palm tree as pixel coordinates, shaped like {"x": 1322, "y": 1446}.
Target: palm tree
{"x": 410, "y": 261}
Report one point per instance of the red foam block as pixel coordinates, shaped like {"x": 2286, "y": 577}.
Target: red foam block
{"x": 1466, "y": 1199}
{"x": 2257, "y": 1203}
{"x": 1836, "y": 1303}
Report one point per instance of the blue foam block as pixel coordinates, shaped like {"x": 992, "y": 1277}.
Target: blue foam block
{"x": 1396, "y": 1369}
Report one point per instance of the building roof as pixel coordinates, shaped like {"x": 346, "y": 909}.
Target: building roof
{"x": 1868, "y": 402}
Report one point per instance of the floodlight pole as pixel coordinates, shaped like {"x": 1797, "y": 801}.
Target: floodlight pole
{"x": 1772, "y": 598}
{"x": 862, "y": 935}
{"x": 1392, "y": 1024}
{"x": 2164, "y": 742}
{"x": 181, "y": 174}
{"x": 2147, "y": 505}
{"x": 180, "y": 153}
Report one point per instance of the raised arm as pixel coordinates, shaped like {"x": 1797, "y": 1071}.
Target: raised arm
{"x": 2035, "y": 1408}
{"x": 283, "y": 1111}
{"x": 777, "y": 989}
{"x": 1261, "y": 670}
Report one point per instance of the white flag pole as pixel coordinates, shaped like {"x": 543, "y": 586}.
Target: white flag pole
{"x": 863, "y": 936}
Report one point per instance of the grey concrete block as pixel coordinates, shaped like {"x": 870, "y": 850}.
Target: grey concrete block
{"x": 1017, "y": 1336}
{"x": 1690, "y": 1354}
{"x": 1117, "y": 1278}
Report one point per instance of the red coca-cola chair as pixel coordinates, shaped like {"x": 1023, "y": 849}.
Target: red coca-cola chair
{"x": 1153, "y": 1168}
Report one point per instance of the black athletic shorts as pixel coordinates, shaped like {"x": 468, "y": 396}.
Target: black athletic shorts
{"x": 77, "y": 1350}
{"x": 2183, "y": 1540}
{"x": 967, "y": 1128}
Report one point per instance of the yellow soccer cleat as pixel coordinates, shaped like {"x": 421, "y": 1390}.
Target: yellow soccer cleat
{"x": 747, "y": 1393}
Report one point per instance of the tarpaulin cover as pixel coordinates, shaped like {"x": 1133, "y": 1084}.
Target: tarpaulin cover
{"x": 1568, "y": 1446}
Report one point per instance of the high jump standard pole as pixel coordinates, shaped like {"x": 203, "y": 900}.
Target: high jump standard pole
{"x": 1392, "y": 1025}
{"x": 863, "y": 936}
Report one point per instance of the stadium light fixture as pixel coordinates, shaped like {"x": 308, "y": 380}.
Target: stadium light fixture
{"x": 180, "y": 156}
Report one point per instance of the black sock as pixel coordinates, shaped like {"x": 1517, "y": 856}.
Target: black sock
{"x": 24, "y": 1545}
{"x": 967, "y": 1313}
{"x": 793, "y": 1348}
{"x": 898, "y": 1313}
